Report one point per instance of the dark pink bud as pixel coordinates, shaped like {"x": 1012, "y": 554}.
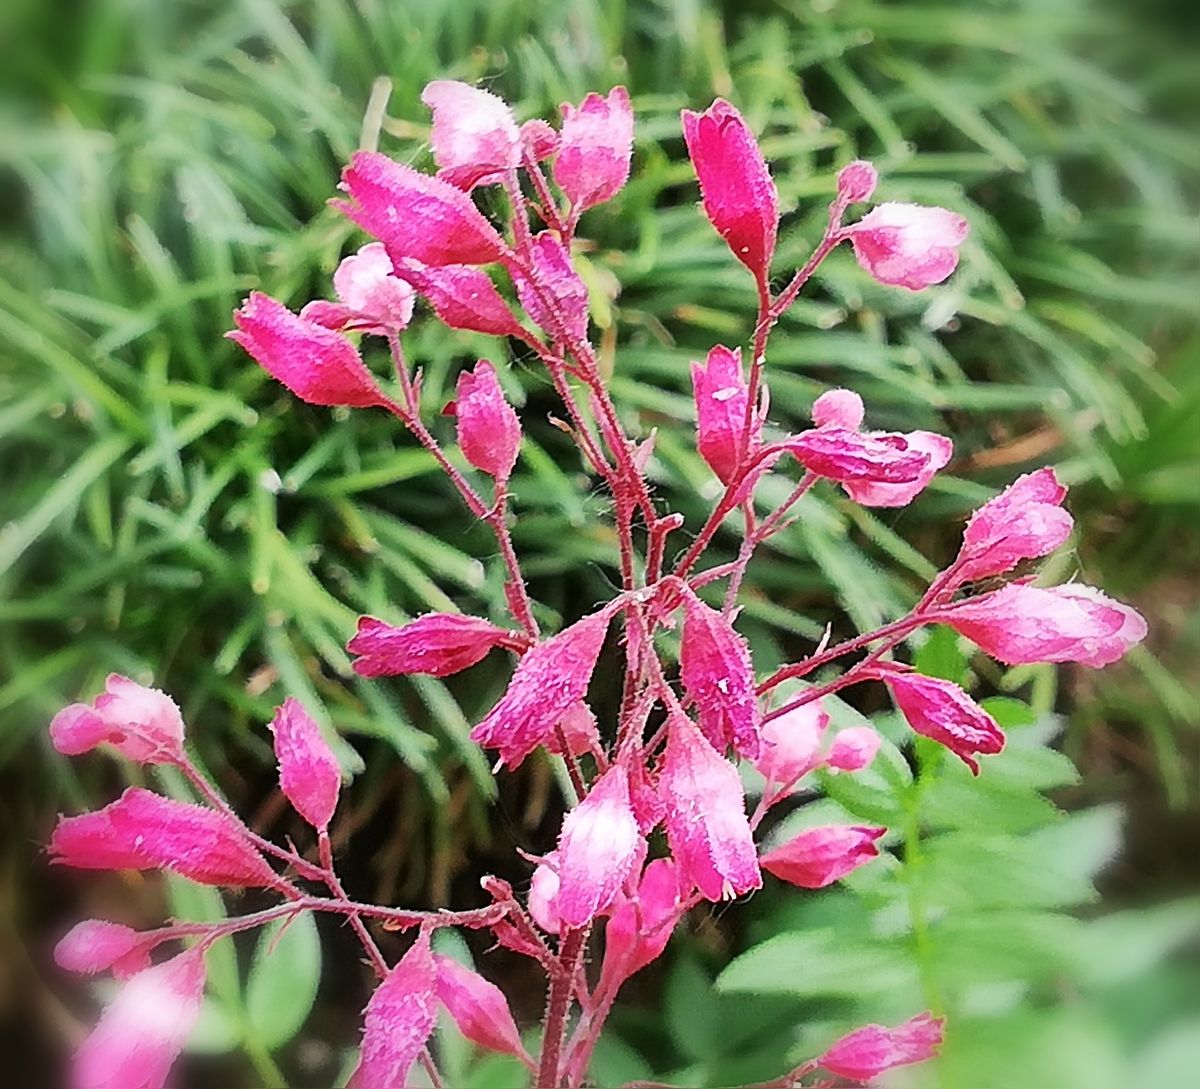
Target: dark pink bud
{"x": 595, "y": 148}
{"x": 398, "y": 1020}
{"x": 1020, "y": 624}
{"x": 791, "y": 744}
{"x": 853, "y": 749}
{"x": 437, "y": 644}
{"x": 739, "y": 196}
{"x": 856, "y": 182}
{"x": 552, "y": 294}
{"x": 1023, "y": 522}
{"x": 475, "y": 137}
{"x": 838, "y": 408}
{"x": 318, "y": 365}
{"x": 720, "y": 391}
{"x": 489, "y": 433}
{"x": 415, "y": 215}
{"x": 462, "y": 297}
{"x": 843, "y": 455}
{"x": 142, "y": 724}
{"x": 937, "y": 450}
{"x": 942, "y": 711}
{"x": 908, "y": 245}
{"x": 865, "y": 1053}
{"x": 717, "y": 674}
{"x": 707, "y": 829}
{"x": 550, "y": 679}
{"x": 598, "y": 848}
{"x": 478, "y": 1008}
{"x": 639, "y": 928}
{"x": 820, "y": 856}
{"x": 95, "y": 946}
{"x": 309, "y": 775}
{"x": 140, "y": 1035}
{"x": 539, "y": 139}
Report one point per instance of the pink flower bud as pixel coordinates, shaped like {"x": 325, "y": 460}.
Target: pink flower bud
{"x": 639, "y": 929}
{"x": 908, "y": 245}
{"x": 553, "y": 295}
{"x": 856, "y": 182}
{"x": 489, "y": 433}
{"x": 838, "y": 408}
{"x": 415, "y": 215}
{"x": 143, "y": 1031}
{"x": 1020, "y": 624}
{"x": 716, "y": 671}
{"x": 843, "y": 455}
{"x": 597, "y": 850}
{"x": 462, "y": 297}
{"x": 549, "y": 680}
{"x": 869, "y": 493}
{"x": 739, "y": 196}
{"x": 853, "y": 749}
{"x": 543, "y": 894}
{"x": 707, "y": 829}
{"x": 720, "y": 391}
{"x": 398, "y": 1020}
{"x": 595, "y": 149}
{"x": 142, "y": 830}
{"x": 475, "y": 137}
{"x": 820, "y": 856}
{"x": 94, "y": 946}
{"x": 942, "y": 711}
{"x": 1023, "y": 522}
{"x": 142, "y": 724}
{"x": 579, "y": 730}
{"x": 309, "y": 775}
{"x": 791, "y": 744}
{"x": 539, "y": 139}
{"x": 318, "y": 365}
{"x": 437, "y": 644}
{"x": 865, "y": 1053}
{"x": 372, "y": 299}
{"x": 478, "y": 1008}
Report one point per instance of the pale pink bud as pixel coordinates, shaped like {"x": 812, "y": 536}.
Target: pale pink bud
{"x": 818, "y": 857}
{"x": 597, "y": 850}
{"x": 539, "y": 139}
{"x": 870, "y": 493}
{"x": 415, "y": 215}
{"x": 1023, "y": 522}
{"x": 707, "y": 829}
{"x": 371, "y": 298}
{"x": 595, "y": 148}
{"x": 908, "y": 245}
{"x": 140, "y": 1035}
{"x": 856, "y": 182}
{"x": 1020, "y": 624}
{"x": 838, "y": 408}
{"x": 639, "y": 928}
{"x": 142, "y": 724}
{"x": 462, "y": 297}
{"x": 549, "y": 680}
{"x": 739, "y": 196}
{"x": 478, "y": 1008}
{"x": 489, "y": 433}
{"x": 717, "y": 673}
{"x": 720, "y": 391}
{"x": 318, "y": 365}
{"x": 942, "y": 711}
{"x": 791, "y": 744}
{"x": 865, "y": 1053}
{"x": 840, "y": 454}
{"x": 437, "y": 644}
{"x": 309, "y": 775}
{"x": 579, "y": 730}
{"x": 399, "y": 1019}
{"x": 95, "y": 946}
{"x": 475, "y": 137}
{"x": 543, "y": 894}
{"x": 553, "y": 295}
{"x": 853, "y": 749}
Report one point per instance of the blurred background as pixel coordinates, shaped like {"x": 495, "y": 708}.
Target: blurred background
{"x": 170, "y": 513}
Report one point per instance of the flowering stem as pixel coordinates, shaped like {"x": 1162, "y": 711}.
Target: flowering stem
{"x": 558, "y": 1004}
{"x": 356, "y": 924}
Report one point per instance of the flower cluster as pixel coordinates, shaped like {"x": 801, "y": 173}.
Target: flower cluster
{"x": 611, "y": 890}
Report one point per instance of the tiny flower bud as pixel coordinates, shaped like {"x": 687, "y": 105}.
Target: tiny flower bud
{"x": 820, "y": 856}
{"x": 478, "y": 1008}
{"x": 543, "y": 894}
{"x": 853, "y": 749}
{"x": 791, "y": 744}
{"x": 639, "y": 929}
{"x": 565, "y": 314}
{"x": 489, "y": 433}
{"x": 309, "y": 775}
{"x": 856, "y": 182}
{"x": 437, "y": 644}
{"x": 462, "y": 297}
{"x": 539, "y": 139}
{"x": 595, "y": 148}
{"x": 908, "y": 245}
{"x": 142, "y": 724}
{"x": 578, "y": 729}
{"x": 721, "y": 393}
{"x": 865, "y": 1053}
{"x": 838, "y": 408}
{"x": 372, "y": 299}
{"x": 95, "y": 946}
{"x": 475, "y": 138}
{"x": 1023, "y": 522}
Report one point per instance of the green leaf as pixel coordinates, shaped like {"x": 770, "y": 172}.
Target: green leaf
{"x": 283, "y": 980}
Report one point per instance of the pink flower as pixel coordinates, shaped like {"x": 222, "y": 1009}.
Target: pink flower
{"x": 639, "y": 928}
{"x": 437, "y": 644}
{"x": 318, "y": 365}
{"x": 739, "y": 196}
{"x": 707, "y": 829}
{"x": 840, "y": 454}
{"x": 371, "y": 297}
{"x": 95, "y": 946}
{"x": 415, "y": 215}
{"x": 869, "y": 493}
{"x": 595, "y": 148}
{"x": 309, "y": 775}
{"x": 462, "y": 297}
{"x": 1019, "y": 624}
{"x": 856, "y": 182}
{"x": 820, "y": 856}
{"x": 398, "y": 1020}
{"x": 143, "y": 1031}
{"x": 791, "y": 744}
{"x": 475, "y": 137}
{"x": 908, "y": 245}
{"x": 867, "y": 1052}
{"x": 853, "y": 749}
{"x": 478, "y": 1008}
{"x": 142, "y": 724}
{"x": 942, "y": 711}
{"x": 551, "y": 292}
{"x": 549, "y": 680}
{"x": 142, "y": 830}
{"x": 716, "y": 671}
{"x": 1023, "y": 522}
{"x": 598, "y": 847}
{"x": 489, "y": 433}
{"x": 720, "y": 390}
{"x": 838, "y": 408}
